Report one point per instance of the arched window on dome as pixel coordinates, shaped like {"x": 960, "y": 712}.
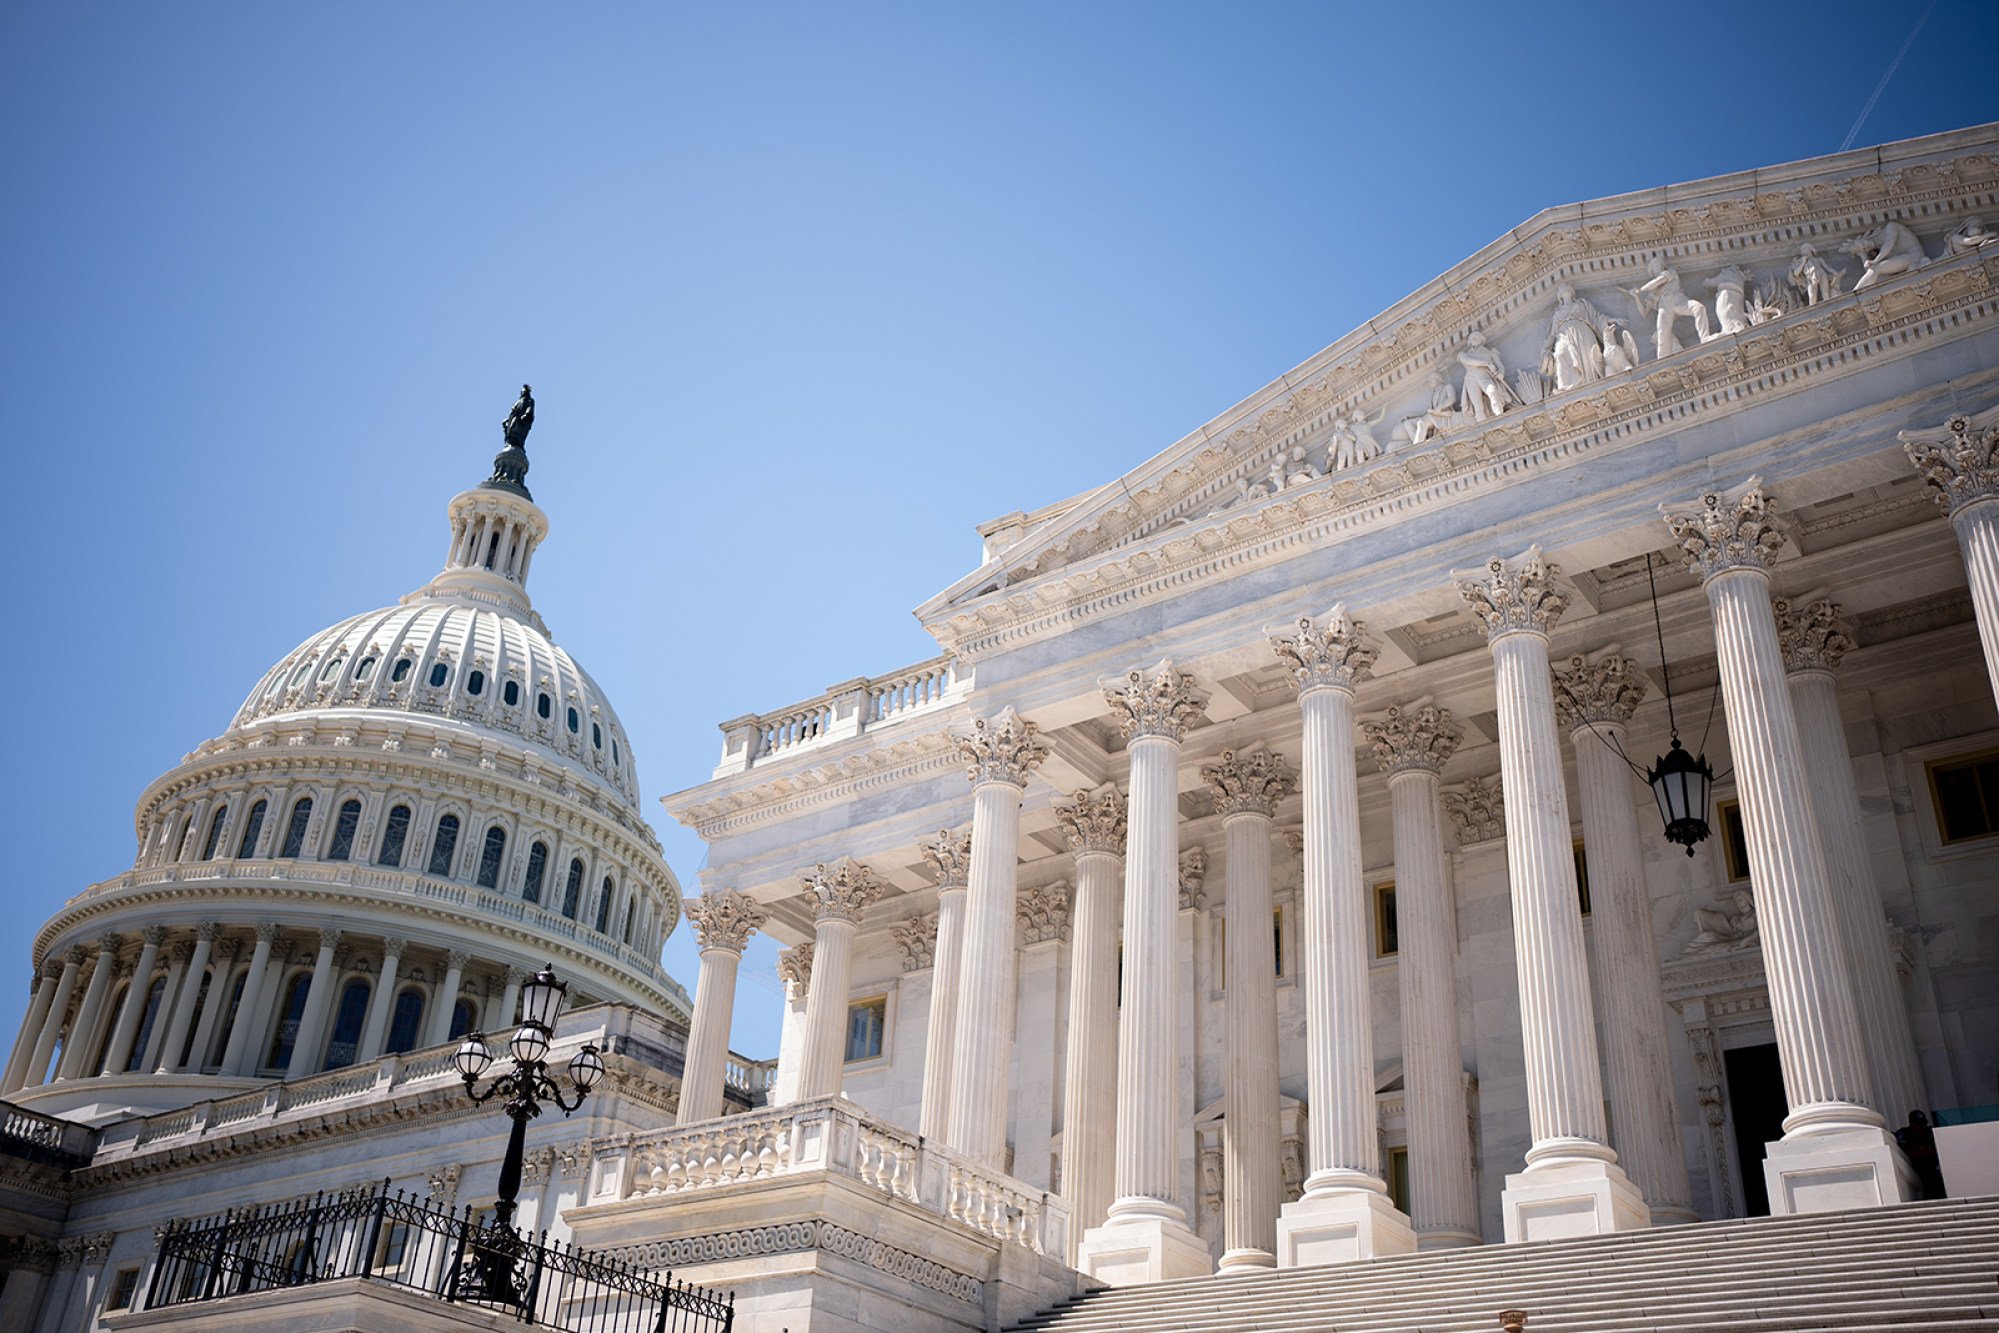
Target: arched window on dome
{"x": 252, "y": 826}
{"x": 403, "y": 1022}
{"x": 475, "y": 684}
{"x": 439, "y": 673}
{"x": 290, "y": 1014}
{"x": 295, "y": 831}
{"x": 575, "y": 722}
{"x": 395, "y": 832}
{"x": 604, "y": 907}
{"x": 490, "y": 856}
{"x": 631, "y": 904}
{"x": 537, "y": 867}
{"x": 596, "y": 736}
{"x": 444, "y": 845}
{"x": 180, "y": 1058}
{"x": 326, "y": 672}
{"x": 155, "y": 993}
{"x": 492, "y": 554}
{"x": 464, "y": 1015}
{"x": 348, "y": 1017}
{"x": 227, "y": 1027}
{"x": 214, "y": 838}
{"x": 401, "y": 672}
{"x": 543, "y": 705}
{"x": 573, "y": 890}
{"x": 185, "y": 849}
{"x": 345, "y": 826}
{"x": 615, "y": 760}
{"x": 511, "y": 693}
{"x": 364, "y": 668}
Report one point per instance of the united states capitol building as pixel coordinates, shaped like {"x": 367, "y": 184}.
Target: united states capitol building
{"x": 1444, "y": 845}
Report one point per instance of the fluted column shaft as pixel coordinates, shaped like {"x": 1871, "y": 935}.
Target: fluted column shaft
{"x": 156, "y": 1037}
{"x": 510, "y": 998}
{"x": 185, "y": 1000}
{"x": 31, "y": 1029}
{"x": 939, "y": 1040}
{"x": 983, "y": 1029}
{"x": 381, "y": 1004}
{"x": 823, "y": 1060}
{"x": 89, "y": 1014}
{"x": 437, "y": 1024}
{"x": 239, "y": 1057}
{"x": 318, "y": 1003}
{"x": 45, "y": 1045}
{"x": 1977, "y": 528}
{"x": 708, "y": 1036}
{"x": 1252, "y": 1184}
{"x": 1960, "y": 462}
{"x": 210, "y": 1010}
{"x": 1443, "y": 1200}
{"x": 1638, "y": 1071}
{"x": 1089, "y": 1088}
{"x": 1883, "y": 1013}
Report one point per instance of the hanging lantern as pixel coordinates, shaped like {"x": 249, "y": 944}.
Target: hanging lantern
{"x": 1680, "y": 784}
{"x": 472, "y": 1057}
{"x": 541, "y": 998}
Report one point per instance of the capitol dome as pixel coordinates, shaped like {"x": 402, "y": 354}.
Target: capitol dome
{"x": 410, "y": 813}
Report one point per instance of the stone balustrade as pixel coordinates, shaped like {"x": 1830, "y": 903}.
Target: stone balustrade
{"x": 752, "y": 1078}
{"x": 835, "y": 1136}
{"x": 841, "y": 712}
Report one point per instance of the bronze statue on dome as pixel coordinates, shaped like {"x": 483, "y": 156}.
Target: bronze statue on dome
{"x": 520, "y": 420}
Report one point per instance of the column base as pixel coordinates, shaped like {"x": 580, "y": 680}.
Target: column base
{"x": 1137, "y": 1251}
{"x": 1234, "y": 1263}
{"x": 1339, "y": 1228}
{"x": 1848, "y": 1168}
{"x": 1571, "y": 1197}
{"x": 1447, "y": 1240}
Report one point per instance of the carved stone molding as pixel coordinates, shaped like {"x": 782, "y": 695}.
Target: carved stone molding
{"x": 1960, "y": 461}
{"x": 1331, "y": 654}
{"x": 1250, "y": 781}
{"x": 1193, "y": 879}
{"x": 1606, "y": 690}
{"x": 538, "y": 1165}
{"x": 794, "y": 967}
{"x": 329, "y": 937}
{"x": 207, "y": 930}
{"x": 1420, "y": 739}
{"x": 1478, "y": 809}
{"x": 442, "y": 1182}
{"x": 181, "y": 951}
{"x": 950, "y": 857}
{"x": 724, "y": 920}
{"x": 1509, "y": 596}
{"x": 916, "y": 940}
{"x": 1725, "y": 530}
{"x": 153, "y": 935}
{"x": 1094, "y": 821}
{"x": 394, "y": 946}
{"x": 1814, "y": 635}
{"x": 1042, "y": 914}
{"x": 1005, "y": 748}
{"x": 842, "y": 891}
{"x": 1156, "y": 702}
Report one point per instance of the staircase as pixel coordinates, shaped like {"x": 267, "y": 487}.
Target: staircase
{"x": 1918, "y": 1268}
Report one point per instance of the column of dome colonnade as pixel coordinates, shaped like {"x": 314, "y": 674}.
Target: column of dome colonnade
{"x": 1247, "y": 785}
{"x": 950, "y": 856}
{"x": 1960, "y": 460}
{"x": 1093, "y": 823}
{"x": 1345, "y": 1212}
{"x": 82, "y": 1038}
{"x": 1595, "y": 701}
{"x": 118, "y": 1050}
{"x": 999, "y": 752}
{"x": 1145, "y": 1236}
{"x": 840, "y": 894}
{"x": 723, "y": 923}
{"x": 40, "y": 998}
{"x": 1572, "y": 1184}
{"x": 1835, "y": 1152}
{"x": 1813, "y": 638}
{"x": 181, "y": 1022}
{"x": 1411, "y": 745}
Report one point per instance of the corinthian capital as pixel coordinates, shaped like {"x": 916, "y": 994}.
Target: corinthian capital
{"x": 1329, "y": 654}
{"x": 1511, "y": 596}
{"x": 950, "y": 855}
{"x": 1724, "y": 530}
{"x": 1042, "y": 914}
{"x": 1248, "y": 782}
{"x": 1812, "y": 633}
{"x": 1005, "y": 748}
{"x": 842, "y": 891}
{"x": 794, "y": 967}
{"x": 1094, "y": 821}
{"x": 724, "y": 920}
{"x": 1159, "y": 702}
{"x": 1478, "y": 809}
{"x": 1413, "y": 740}
{"x": 1961, "y": 459}
{"x": 1606, "y": 690}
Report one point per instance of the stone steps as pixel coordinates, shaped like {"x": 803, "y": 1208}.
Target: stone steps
{"x": 1919, "y": 1268}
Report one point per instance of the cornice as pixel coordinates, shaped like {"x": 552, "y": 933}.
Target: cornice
{"x": 907, "y": 760}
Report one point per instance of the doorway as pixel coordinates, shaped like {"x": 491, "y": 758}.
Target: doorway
{"x": 1756, "y": 1100}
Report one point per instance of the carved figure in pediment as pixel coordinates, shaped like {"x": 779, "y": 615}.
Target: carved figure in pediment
{"x": 1353, "y": 442}
{"x": 1723, "y": 931}
{"x": 1298, "y": 469}
{"x": 1441, "y": 416}
{"x": 1813, "y": 277}
{"x": 1731, "y": 299}
{"x": 1973, "y": 235}
{"x": 1529, "y": 386}
{"x": 1888, "y": 251}
{"x": 1573, "y": 352}
{"x": 1662, "y": 297}
{"x": 1620, "y": 349}
{"x": 1766, "y": 300}
{"x": 1485, "y": 393}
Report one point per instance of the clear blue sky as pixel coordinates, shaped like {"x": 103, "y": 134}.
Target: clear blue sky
{"x": 806, "y": 292}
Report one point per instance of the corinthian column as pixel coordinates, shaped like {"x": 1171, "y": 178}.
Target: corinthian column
{"x": 118, "y": 1051}
{"x": 1412, "y": 745}
{"x": 999, "y": 753}
{"x": 182, "y": 1020}
{"x": 1145, "y": 1237}
{"x": 1247, "y": 785}
{"x": 1572, "y": 1185}
{"x": 723, "y": 923}
{"x": 45, "y": 1046}
{"x": 1961, "y": 461}
{"x": 239, "y": 1057}
{"x": 1813, "y": 641}
{"x": 318, "y": 1004}
{"x": 76, "y": 1049}
{"x": 951, "y": 857}
{"x": 382, "y": 1001}
{"x": 1345, "y": 1213}
{"x": 1595, "y": 701}
{"x": 1094, "y": 825}
{"x": 840, "y": 893}
{"x": 1835, "y": 1152}
{"x": 46, "y": 985}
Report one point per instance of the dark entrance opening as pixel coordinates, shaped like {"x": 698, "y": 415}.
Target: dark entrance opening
{"x": 1756, "y": 1099}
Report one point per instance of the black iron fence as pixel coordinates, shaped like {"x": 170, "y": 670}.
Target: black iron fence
{"x": 408, "y": 1241}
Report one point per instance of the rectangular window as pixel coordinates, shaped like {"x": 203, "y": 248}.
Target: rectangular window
{"x": 1734, "y": 845}
{"x": 1582, "y": 877}
{"x": 1965, "y": 792}
{"x": 1386, "y": 944}
{"x": 1398, "y": 1177}
{"x": 123, "y": 1287}
{"x": 867, "y": 1022}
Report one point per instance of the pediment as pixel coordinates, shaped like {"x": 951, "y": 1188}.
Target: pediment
{"x": 1733, "y": 244}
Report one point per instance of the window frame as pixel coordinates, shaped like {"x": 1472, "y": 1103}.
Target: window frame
{"x": 1977, "y": 755}
{"x": 880, "y": 1059}
{"x": 1381, "y": 895}
{"x": 1723, "y": 807}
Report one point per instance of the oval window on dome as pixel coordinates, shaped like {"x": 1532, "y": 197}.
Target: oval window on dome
{"x": 402, "y": 671}
{"x": 332, "y": 665}
{"x": 596, "y": 735}
{"x": 575, "y": 722}
{"x": 438, "y": 672}
{"x": 365, "y": 668}
{"x": 476, "y": 683}
{"x": 511, "y": 693}
{"x": 543, "y": 705}
{"x": 614, "y": 752}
